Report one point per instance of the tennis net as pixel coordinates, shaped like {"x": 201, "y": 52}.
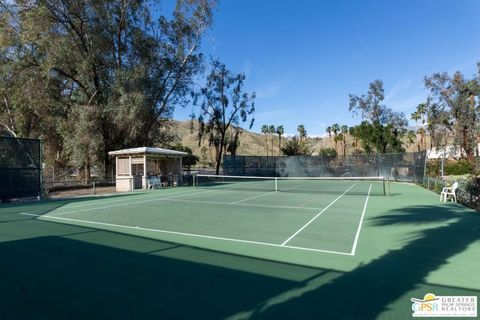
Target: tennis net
{"x": 334, "y": 185}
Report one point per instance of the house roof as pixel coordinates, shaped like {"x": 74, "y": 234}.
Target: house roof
{"x": 147, "y": 150}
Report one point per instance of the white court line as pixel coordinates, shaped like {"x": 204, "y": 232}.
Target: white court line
{"x": 122, "y": 197}
{"x": 261, "y": 195}
{"x": 239, "y": 204}
{"x": 354, "y": 248}
{"x": 186, "y": 234}
{"x": 318, "y": 214}
{"x": 254, "y": 197}
{"x": 145, "y": 193}
{"x": 175, "y": 199}
{"x": 134, "y": 202}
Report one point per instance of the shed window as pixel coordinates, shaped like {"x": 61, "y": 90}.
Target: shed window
{"x": 122, "y": 167}
{"x": 137, "y": 169}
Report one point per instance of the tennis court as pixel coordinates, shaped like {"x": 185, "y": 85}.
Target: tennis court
{"x": 238, "y": 248}
{"x": 323, "y": 215}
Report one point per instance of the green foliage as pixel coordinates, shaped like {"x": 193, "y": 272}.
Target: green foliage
{"x": 296, "y": 147}
{"x": 450, "y": 168}
{"x": 189, "y": 160}
{"x": 433, "y": 168}
{"x": 453, "y": 108}
{"x": 378, "y": 138}
{"x": 234, "y": 143}
{"x": 328, "y": 153}
{"x": 302, "y": 132}
{"x": 88, "y": 77}
{"x": 458, "y": 167}
{"x": 280, "y": 131}
{"x": 382, "y": 129}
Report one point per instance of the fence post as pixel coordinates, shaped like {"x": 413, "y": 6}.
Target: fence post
{"x": 40, "y": 171}
{"x": 93, "y": 187}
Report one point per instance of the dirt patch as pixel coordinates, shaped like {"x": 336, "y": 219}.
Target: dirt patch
{"x": 80, "y": 192}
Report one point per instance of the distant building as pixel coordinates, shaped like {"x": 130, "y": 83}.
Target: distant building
{"x": 448, "y": 152}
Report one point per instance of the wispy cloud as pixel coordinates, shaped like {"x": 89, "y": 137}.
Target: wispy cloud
{"x": 408, "y": 104}
{"x": 398, "y": 88}
{"x": 272, "y": 88}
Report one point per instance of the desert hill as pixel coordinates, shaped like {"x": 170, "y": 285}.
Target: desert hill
{"x": 252, "y": 143}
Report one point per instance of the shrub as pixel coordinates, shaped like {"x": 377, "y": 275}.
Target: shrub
{"x": 451, "y": 167}
{"x": 459, "y": 167}
{"x": 296, "y": 147}
{"x": 328, "y": 153}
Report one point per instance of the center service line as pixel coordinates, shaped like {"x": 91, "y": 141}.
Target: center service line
{"x": 318, "y": 214}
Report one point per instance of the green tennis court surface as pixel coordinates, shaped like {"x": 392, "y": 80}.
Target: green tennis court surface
{"x": 230, "y": 250}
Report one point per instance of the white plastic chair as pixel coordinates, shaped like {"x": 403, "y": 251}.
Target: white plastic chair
{"x": 449, "y": 191}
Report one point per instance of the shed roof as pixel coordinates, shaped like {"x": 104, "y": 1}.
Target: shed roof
{"x": 147, "y": 150}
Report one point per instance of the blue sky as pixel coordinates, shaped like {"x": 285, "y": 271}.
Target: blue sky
{"x": 303, "y": 58}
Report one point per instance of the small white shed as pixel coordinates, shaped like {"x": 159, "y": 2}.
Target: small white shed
{"x": 136, "y": 166}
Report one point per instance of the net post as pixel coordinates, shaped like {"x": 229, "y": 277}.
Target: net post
{"x": 388, "y": 186}
{"x": 384, "y": 187}
{"x": 194, "y": 177}
{"x": 276, "y": 184}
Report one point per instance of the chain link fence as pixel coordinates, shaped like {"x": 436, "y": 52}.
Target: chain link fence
{"x": 468, "y": 192}
{"x": 20, "y": 168}
{"x": 407, "y": 167}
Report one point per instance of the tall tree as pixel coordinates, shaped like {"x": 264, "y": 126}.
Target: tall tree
{"x": 335, "y": 129}
{"x": 329, "y": 131}
{"x": 223, "y": 104}
{"x": 271, "y": 131}
{"x": 302, "y": 133}
{"x": 344, "y": 131}
{"x": 234, "y": 142}
{"x": 353, "y": 133}
{"x": 420, "y": 114}
{"x": 280, "y": 131}
{"x": 411, "y": 138}
{"x": 382, "y": 128}
{"x": 459, "y": 97}
{"x": 104, "y": 74}
{"x": 264, "y": 130}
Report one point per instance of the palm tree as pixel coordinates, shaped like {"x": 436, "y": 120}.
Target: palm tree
{"x": 335, "y": 130}
{"x": 271, "y": 130}
{"x": 280, "y": 131}
{"x": 329, "y": 131}
{"x": 344, "y": 130}
{"x": 411, "y": 137}
{"x": 265, "y": 132}
{"x": 421, "y": 113}
{"x": 301, "y": 131}
{"x": 423, "y": 142}
{"x": 353, "y": 132}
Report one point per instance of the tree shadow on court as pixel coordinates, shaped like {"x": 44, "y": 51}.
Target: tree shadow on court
{"x": 67, "y": 278}
{"x": 92, "y": 273}
{"x": 368, "y": 290}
